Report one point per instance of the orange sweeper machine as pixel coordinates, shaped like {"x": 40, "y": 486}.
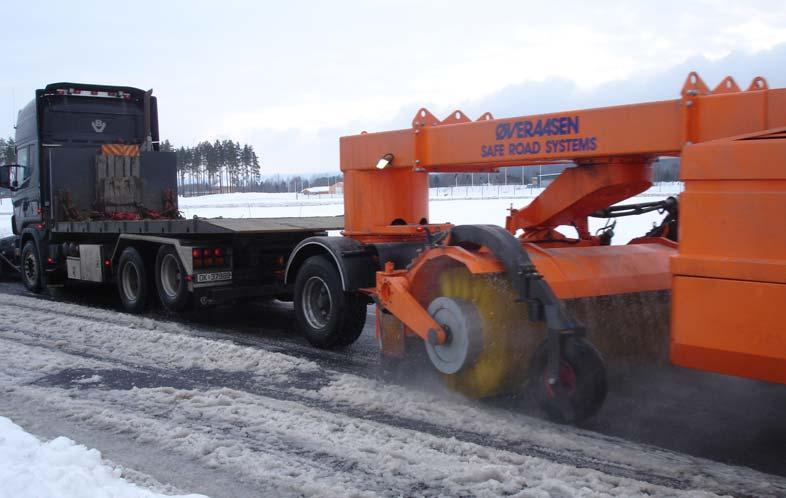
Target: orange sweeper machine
{"x": 496, "y": 308}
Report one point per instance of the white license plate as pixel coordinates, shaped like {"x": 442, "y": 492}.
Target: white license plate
{"x": 213, "y": 277}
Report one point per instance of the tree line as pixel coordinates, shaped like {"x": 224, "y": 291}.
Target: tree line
{"x": 7, "y": 150}
{"x": 221, "y": 166}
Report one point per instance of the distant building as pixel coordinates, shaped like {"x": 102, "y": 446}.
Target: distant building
{"x": 335, "y": 189}
{"x": 316, "y": 190}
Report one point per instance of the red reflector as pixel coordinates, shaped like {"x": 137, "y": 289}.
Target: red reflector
{"x": 419, "y": 229}
{"x": 219, "y": 261}
{"x": 196, "y": 253}
{"x": 40, "y": 226}
{"x": 50, "y": 260}
{"x": 209, "y": 262}
{"x": 107, "y": 263}
{"x": 217, "y": 252}
{"x": 189, "y": 278}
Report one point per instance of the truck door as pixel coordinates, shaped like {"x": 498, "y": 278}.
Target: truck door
{"x": 27, "y": 198}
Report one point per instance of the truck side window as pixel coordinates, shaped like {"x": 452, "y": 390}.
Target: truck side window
{"x": 22, "y": 174}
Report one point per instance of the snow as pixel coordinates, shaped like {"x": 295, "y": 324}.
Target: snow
{"x": 59, "y": 468}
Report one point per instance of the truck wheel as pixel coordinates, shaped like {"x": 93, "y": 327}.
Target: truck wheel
{"x": 31, "y": 267}
{"x": 327, "y": 316}
{"x": 581, "y": 386}
{"x": 132, "y": 282}
{"x": 171, "y": 281}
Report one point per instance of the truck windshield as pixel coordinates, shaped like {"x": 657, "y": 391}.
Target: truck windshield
{"x": 88, "y": 120}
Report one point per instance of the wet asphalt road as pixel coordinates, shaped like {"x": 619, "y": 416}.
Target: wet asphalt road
{"x": 726, "y": 419}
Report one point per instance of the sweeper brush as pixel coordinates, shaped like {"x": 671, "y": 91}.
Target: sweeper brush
{"x": 506, "y": 339}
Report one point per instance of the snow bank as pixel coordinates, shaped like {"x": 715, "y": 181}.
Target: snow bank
{"x": 59, "y": 468}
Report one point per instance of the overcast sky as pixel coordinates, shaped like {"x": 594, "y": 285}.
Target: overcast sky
{"x": 291, "y": 77}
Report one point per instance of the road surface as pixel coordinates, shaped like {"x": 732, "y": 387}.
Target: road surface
{"x": 231, "y": 402}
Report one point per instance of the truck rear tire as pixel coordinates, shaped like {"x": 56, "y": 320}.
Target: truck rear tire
{"x": 170, "y": 276}
{"x": 132, "y": 284}
{"x": 329, "y": 317}
{"x": 31, "y": 268}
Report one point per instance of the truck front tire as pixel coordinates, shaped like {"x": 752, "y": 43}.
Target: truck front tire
{"x": 132, "y": 284}
{"x": 31, "y": 268}
{"x": 170, "y": 276}
{"x": 328, "y": 317}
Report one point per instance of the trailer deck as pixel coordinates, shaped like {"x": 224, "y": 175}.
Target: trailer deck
{"x": 246, "y": 226}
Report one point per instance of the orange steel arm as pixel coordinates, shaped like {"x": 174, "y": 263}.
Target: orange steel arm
{"x": 646, "y": 130}
{"x": 612, "y": 149}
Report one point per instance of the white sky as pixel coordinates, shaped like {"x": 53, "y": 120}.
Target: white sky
{"x": 290, "y": 77}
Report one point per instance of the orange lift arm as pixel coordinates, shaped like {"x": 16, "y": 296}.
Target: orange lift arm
{"x": 612, "y": 146}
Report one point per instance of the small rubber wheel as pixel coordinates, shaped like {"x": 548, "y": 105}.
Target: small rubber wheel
{"x": 170, "y": 277}
{"x": 581, "y": 385}
{"x": 325, "y": 314}
{"x": 132, "y": 282}
{"x": 31, "y": 267}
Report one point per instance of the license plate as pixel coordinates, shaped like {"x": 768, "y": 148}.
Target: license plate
{"x": 213, "y": 277}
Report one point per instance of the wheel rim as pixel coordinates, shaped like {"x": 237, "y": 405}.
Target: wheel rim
{"x": 31, "y": 268}
{"x": 317, "y": 302}
{"x": 171, "y": 278}
{"x": 464, "y": 328}
{"x": 131, "y": 281}
{"x": 567, "y": 379}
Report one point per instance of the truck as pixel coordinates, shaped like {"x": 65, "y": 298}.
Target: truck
{"x": 95, "y": 200}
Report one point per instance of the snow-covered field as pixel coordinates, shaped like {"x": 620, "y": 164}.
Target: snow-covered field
{"x": 457, "y": 205}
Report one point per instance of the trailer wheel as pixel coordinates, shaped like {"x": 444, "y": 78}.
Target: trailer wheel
{"x": 327, "y": 316}
{"x": 31, "y": 267}
{"x": 581, "y": 387}
{"x": 171, "y": 281}
{"x": 132, "y": 282}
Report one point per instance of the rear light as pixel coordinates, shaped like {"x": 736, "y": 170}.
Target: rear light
{"x": 61, "y": 92}
{"x": 107, "y": 263}
{"x": 203, "y": 257}
{"x": 76, "y": 91}
{"x": 50, "y": 260}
